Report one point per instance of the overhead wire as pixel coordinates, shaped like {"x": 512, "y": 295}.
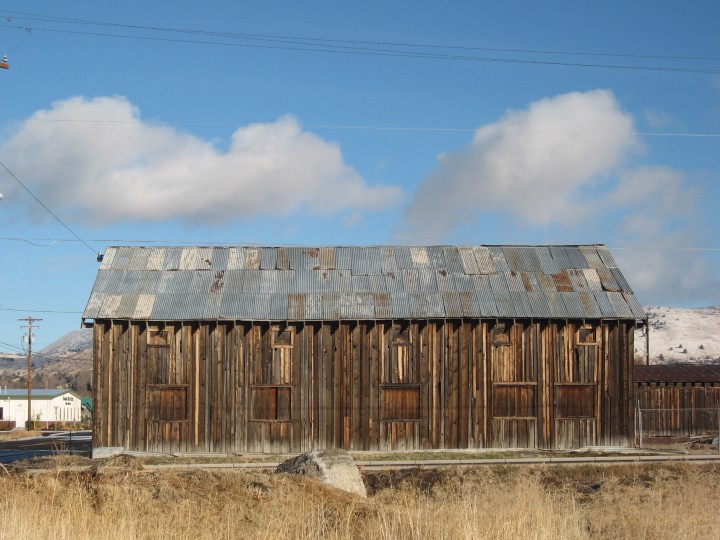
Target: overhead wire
{"x": 342, "y": 47}
{"x": 46, "y": 207}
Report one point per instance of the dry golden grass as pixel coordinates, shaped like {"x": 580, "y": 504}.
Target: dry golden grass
{"x": 18, "y": 434}
{"x": 119, "y": 499}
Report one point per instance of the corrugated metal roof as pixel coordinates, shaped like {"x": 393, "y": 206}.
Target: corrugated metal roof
{"x": 310, "y": 283}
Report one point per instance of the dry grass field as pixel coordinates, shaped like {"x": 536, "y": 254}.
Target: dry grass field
{"x": 121, "y": 500}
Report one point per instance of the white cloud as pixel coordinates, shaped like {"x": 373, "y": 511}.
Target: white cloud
{"x": 537, "y": 165}
{"x": 98, "y": 158}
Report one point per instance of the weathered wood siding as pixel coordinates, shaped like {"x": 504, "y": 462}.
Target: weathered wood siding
{"x": 363, "y": 385}
{"x": 678, "y": 409}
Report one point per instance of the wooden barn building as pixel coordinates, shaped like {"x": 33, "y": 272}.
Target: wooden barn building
{"x": 678, "y": 400}
{"x": 248, "y": 349}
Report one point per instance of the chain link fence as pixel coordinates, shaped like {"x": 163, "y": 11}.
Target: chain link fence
{"x": 695, "y": 422}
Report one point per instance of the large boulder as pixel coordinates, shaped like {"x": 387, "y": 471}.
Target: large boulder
{"x": 333, "y": 467}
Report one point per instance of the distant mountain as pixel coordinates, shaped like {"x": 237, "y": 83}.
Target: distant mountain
{"x": 73, "y": 342}
{"x": 681, "y": 335}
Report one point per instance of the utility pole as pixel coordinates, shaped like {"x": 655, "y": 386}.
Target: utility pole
{"x": 29, "y": 321}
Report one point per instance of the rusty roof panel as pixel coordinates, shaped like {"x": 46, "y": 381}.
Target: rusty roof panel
{"x": 327, "y": 258}
{"x": 180, "y": 283}
{"x": 608, "y": 280}
{"x": 577, "y": 279}
{"x": 548, "y": 265}
{"x": 282, "y": 259}
{"x": 546, "y": 282}
{"x": 514, "y": 258}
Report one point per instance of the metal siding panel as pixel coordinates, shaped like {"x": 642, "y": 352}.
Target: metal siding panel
{"x": 139, "y": 259}
{"x": 400, "y": 305}
{"x": 463, "y": 282}
{"x": 548, "y": 265}
{"x": 330, "y": 306}
{"x": 94, "y": 305}
{"x": 622, "y": 282}
{"x": 514, "y": 282}
{"x": 254, "y": 258}
{"x": 539, "y": 304}
{"x": 482, "y": 283}
{"x": 436, "y": 257}
{"x": 591, "y": 256}
{"x": 514, "y": 258}
{"x": 419, "y": 257}
{"x": 577, "y": 260}
{"x": 389, "y": 264}
{"x": 394, "y": 282}
{"x": 310, "y": 259}
{"x": 109, "y": 258}
{"x": 498, "y": 258}
{"x": 608, "y": 280}
{"x": 484, "y": 261}
{"x": 622, "y": 310}
{"x": 296, "y": 258}
{"x": 546, "y": 283}
{"x": 383, "y": 306}
{"x": 560, "y": 257}
{"x": 591, "y": 308}
{"x": 453, "y": 260}
{"x": 172, "y": 259}
{"x": 343, "y": 256}
{"x": 220, "y": 257}
{"x": 505, "y": 306}
{"x": 144, "y": 306}
{"x": 577, "y": 279}
{"x": 522, "y": 303}
{"x": 444, "y": 281}
{"x": 452, "y": 304}
{"x": 606, "y": 257}
{"x": 236, "y": 259}
{"x": 403, "y": 258}
{"x": 282, "y": 259}
{"x": 556, "y": 305}
{"x": 593, "y": 279}
{"x": 573, "y": 305}
{"x": 268, "y": 258}
{"x": 603, "y": 302}
{"x": 212, "y": 305}
{"x": 469, "y": 262}
{"x": 122, "y": 257}
{"x": 637, "y": 310}
{"x": 251, "y": 281}
{"x": 531, "y": 262}
{"x": 327, "y": 258}
{"x": 498, "y": 283}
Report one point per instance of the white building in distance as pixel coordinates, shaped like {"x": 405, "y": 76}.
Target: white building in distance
{"x": 58, "y": 405}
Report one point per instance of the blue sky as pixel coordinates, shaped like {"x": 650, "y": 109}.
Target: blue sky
{"x": 326, "y": 123}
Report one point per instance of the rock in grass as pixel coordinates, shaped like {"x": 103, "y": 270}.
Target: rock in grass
{"x": 333, "y": 467}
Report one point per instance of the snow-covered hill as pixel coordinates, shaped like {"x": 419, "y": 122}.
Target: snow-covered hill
{"x": 681, "y": 335}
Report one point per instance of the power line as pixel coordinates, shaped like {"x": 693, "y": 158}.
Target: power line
{"x": 296, "y": 44}
{"x": 46, "y": 208}
{"x": 306, "y": 39}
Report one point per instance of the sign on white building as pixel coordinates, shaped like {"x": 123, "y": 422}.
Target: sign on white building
{"x": 60, "y": 405}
